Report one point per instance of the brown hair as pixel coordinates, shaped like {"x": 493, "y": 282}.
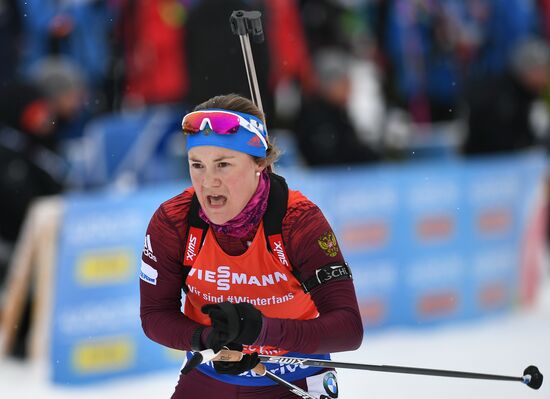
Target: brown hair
{"x": 234, "y": 102}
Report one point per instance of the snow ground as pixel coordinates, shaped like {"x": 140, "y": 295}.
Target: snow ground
{"x": 501, "y": 345}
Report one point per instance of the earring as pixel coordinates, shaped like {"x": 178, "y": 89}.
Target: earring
{"x": 258, "y": 174}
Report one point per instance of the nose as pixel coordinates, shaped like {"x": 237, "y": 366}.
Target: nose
{"x": 210, "y": 180}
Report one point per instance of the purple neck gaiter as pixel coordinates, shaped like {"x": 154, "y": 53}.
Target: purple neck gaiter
{"x": 246, "y": 221}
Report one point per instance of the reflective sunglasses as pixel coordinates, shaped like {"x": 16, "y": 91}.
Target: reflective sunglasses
{"x": 220, "y": 122}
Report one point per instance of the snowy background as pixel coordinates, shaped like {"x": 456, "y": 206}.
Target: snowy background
{"x": 405, "y": 96}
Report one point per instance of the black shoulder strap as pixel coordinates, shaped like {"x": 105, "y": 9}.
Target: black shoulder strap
{"x": 193, "y": 216}
{"x": 273, "y": 222}
{"x": 276, "y": 207}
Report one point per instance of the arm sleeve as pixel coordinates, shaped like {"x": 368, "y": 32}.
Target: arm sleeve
{"x": 160, "y": 308}
{"x": 338, "y": 326}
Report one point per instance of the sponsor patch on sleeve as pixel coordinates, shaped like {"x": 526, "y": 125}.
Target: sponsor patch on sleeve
{"x": 148, "y": 273}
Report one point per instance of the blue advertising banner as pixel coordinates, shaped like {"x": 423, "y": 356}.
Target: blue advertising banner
{"x": 428, "y": 243}
{"x": 96, "y": 325}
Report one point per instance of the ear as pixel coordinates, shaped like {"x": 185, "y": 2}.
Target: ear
{"x": 260, "y": 166}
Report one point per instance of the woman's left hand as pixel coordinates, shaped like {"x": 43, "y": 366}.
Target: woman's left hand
{"x": 232, "y": 323}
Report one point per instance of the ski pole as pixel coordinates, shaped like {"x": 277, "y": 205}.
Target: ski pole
{"x": 296, "y": 390}
{"x": 242, "y": 23}
{"x": 532, "y": 377}
{"x": 235, "y": 356}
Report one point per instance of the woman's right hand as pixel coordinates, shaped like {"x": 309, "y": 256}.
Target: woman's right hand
{"x": 239, "y": 323}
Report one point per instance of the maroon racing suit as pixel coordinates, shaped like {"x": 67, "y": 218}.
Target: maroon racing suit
{"x": 304, "y": 231}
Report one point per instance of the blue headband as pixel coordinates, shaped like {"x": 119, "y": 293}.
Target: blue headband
{"x": 250, "y": 138}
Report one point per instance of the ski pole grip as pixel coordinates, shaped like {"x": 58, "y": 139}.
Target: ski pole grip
{"x": 247, "y": 22}
{"x": 259, "y": 369}
{"x": 226, "y": 355}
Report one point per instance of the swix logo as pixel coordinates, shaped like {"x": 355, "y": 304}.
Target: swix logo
{"x": 148, "y": 248}
{"x": 280, "y": 253}
{"x": 224, "y": 278}
{"x": 191, "y": 248}
{"x": 193, "y": 240}
{"x": 285, "y": 360}
{"x": 276, "y": 242}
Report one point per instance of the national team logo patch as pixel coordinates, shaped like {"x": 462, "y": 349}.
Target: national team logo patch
{"x": 330, "y": 384}
{"x": 328, "y": 243}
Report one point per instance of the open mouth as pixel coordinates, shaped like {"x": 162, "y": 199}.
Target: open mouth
{"x": 216, "y": 200}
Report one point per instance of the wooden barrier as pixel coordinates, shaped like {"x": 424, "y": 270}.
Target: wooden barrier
{"x": 30, "y": 278}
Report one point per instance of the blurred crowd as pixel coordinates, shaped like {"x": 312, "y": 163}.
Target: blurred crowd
{"x": 346, "y": 81}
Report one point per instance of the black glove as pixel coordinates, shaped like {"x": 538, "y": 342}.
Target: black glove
{"x": 248, "y": 362}
{"x": 232, "y": 323}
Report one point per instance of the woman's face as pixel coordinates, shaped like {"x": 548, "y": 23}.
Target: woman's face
{"x": 224, "y": 180}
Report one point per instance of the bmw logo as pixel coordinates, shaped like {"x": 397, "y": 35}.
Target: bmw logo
{"x": 330, "y": 384}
